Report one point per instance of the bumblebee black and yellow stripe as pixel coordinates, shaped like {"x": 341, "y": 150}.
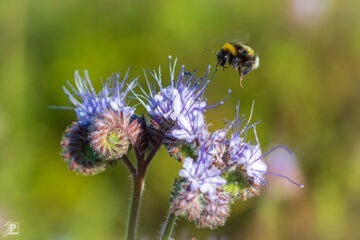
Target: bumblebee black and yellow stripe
{"x": 249, "y": 50}
{"x": 238, "y": 56}
{"x": 230, "y": 48}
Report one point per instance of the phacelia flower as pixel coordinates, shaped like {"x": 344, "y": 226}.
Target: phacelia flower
{"x": 113, "y": 132}
{"x": 201, "y": 174}
{"x": 237, "y": 146}
{"x": 88, "y": 103}
{"x": 255, "y": 167}
{"x": 245, "y": 164}
{"x": 224, "y": 170}
{"x": 105, "y": 128}
{"x": 179, "y": 107}
{"x": 77, "y": 152}
{"x": 198, "y": 194}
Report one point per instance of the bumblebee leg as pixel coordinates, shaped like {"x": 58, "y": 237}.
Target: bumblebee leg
{"x": 223, "y": 68}
{"x": 241, "y": 79}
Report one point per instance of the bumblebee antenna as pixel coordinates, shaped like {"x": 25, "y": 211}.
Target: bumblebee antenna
{"x": 212, "y": 51}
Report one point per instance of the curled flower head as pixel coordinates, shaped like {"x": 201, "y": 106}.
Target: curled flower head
{"x": 217, "y": 147}
{"x": 215, "y": 212}
{"x": 207, "y": 210}
{"x": 112, "y": 133}
{"x": 88, "y": 103}
{"x": 187, "y": 204}
{"x": 77, "y": 152}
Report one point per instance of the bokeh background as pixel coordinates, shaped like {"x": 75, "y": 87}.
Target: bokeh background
{"x": 306, "y": 93}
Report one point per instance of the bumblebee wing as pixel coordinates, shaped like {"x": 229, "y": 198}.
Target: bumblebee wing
{"x": 240, "y": 36}
{"x": 237, "y": 36}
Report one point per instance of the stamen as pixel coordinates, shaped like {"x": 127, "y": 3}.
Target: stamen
{"x": 172, "y": 69}
{"x": 72, "y": 98}
{"x": 256, "y": 136}
{"x": 148, "y": 83}
{"x": 220, "y": 102}
{"x": 207, "y": 71}
{"x": 215, "y": 71}
{"x": 291, "y": 153}
{"x": 251, "y": 113}
{"x": 247, "y": 126}
{"x": 180, "y": 78}
{"x": 139, "y": 97}
{"x": 88, "y": 81}
{"x": 287, "y": 178}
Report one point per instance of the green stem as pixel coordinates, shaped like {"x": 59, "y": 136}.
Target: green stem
{"x": 135, "y": 205}
{"x": 138, "y": 181}
{"x": 167, "y": 229}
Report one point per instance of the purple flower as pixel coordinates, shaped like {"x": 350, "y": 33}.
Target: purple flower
{"x": 189, "y": 127}
{"x": 237, "y": 146}
{"x": 246, "y": 156}
{"x": 180, "y": 106}
{"x": 201, "y": 174}
{"x": 88, "y": 103}
{"x": 200, "y": 196}
{"x": 106, "y": 125}
{"x": 255, "y": 167}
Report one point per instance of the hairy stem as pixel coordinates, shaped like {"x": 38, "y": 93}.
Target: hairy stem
{"x": 168, "y": 227}
{"x": 152, "y": 153}
{"x": 138, "y": 186}
{"x": 129, "y": 165}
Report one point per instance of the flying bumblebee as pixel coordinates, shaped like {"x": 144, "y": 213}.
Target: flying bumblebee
{"x": 240, "y": 57}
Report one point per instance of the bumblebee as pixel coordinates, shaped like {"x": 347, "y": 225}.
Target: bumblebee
{"x": 240, "y": 57}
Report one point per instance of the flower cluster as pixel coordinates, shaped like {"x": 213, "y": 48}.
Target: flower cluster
{"x": 106, "y": 126}
{"x": 224, "y": 170}
{"x": 217, "y": 168}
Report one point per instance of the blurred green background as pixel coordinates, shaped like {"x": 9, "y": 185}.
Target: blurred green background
{"x": 306, "y": 94}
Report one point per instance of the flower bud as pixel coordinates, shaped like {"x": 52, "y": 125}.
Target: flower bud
{"x": 78, "y": 153}
{"x": 215, "y": 211}
{"x": 112, "y": 134}
{"x": 187, "y": 204}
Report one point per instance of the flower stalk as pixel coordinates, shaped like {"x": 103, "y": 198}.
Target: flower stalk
{"x": 139, "y": 176}
{"x": 138, "y": 187}
{"x": 168, "y": 226}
